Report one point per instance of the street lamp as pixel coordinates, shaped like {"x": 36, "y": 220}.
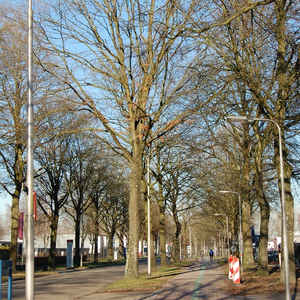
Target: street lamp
{"x": 30, "y": 124}
{"x": 226, "y": 229}
{"x": 149, "y": 223}
{"x": 244, "y": 119}
{"x": 241, "y": 234}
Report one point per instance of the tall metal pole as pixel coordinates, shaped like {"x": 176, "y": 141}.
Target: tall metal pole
{"x": 149, "y": 223}
{"x": 241, "y": 232}
{"x": 81, "y": 230}
{"x": 29, "y": 214}
{"x": 180, "y": 247}
{"x": 284, "y": 223}
{"x": 228, "y": 251}
{"x": 190, "y": 241}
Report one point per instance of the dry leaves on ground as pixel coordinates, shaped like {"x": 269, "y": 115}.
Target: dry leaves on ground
{"x": 252, "y": 284}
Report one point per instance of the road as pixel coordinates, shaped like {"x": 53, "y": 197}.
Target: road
{"x": 70, "y": 285}
{"x": 201, "y": 280}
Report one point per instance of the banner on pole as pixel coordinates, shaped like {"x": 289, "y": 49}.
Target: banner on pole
{"x": 21, "y": 226}
{"x": 34, "y": 205}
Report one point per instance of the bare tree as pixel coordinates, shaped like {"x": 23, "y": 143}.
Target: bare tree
{"x": 114, "y": 209}
{"x": 131, "y": 68}
{"x": 13, "y": 100}
{"x": 13, "y": 106}
{"x": 109, "y": 201}
{"x": 52, "y": 159}
{"x": 42, "y": 229}
{"x": 269, "y": 74}
{"x": 79, "y": 171}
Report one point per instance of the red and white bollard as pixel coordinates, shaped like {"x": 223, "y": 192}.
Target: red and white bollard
{"x": 236, "y": 271}
{"x": 230, "y": 274}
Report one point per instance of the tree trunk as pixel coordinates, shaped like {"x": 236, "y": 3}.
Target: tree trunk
{"x": 52, "y": 251}
{"x": 263, "y": 240}
{"x": 121, "y": 251}
{"x": 121, "y": 244}
{"x": 289, "y": 209}
{"x": 162, "y": 228}
{"x": 264, "y": 208}
{"x": 162, "y": 235}
{"x": 246, "y": 203}
{"x": 18, "y": 168}
{"x": 284, "y": 84}
{"x": 132, "y": 262}
{"x": 152, "y": 253}
{"x": 248, "y": 259}
{"x": 264, "y": 232}
{"x": 162, "y": 209}
{"x": 150, "y": 248}
{"x": 175, "y": 246}
{"x": 96, "y": 244}
{"x": 184, "y": 244}
{"x": 175, "y": 251}
{"x": 77, "y": 242}
{"x": 110, "y": 254}
{"x": 14, "y": 228}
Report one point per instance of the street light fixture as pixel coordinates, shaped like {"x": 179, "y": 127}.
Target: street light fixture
{"x": 241, "y": 233}
{"x": 244, "y": 119}
{"x": 226, "y": 229}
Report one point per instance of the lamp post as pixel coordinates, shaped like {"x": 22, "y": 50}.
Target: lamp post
{"x": 226, "y": 230}
{"x": 190, "y": 237}
{"x": 243, "y": 119}
{"x": 149, "y": 223}
{"x": 82, "y": 244}
{"x": 241, "y": 233}
{"x": 30, "y": 120}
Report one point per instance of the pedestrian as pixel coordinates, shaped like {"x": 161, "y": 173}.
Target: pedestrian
{"x": 211, "y": 254}
{"x": 201, "y": 254}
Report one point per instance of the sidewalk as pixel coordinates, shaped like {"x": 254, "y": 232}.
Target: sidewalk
{"x": 202, "y": 280}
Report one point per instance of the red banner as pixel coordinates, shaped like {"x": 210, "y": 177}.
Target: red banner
{"x": 21, "y": 226}
{"x": 34, "y": 204}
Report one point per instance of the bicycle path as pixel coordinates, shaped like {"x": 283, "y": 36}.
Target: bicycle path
{"x": 204, "y": 280}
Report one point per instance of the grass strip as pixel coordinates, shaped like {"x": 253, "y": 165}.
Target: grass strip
{"x": 145, "y": 283}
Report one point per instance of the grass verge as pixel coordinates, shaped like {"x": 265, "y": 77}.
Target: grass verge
{"x": 145, "y": 283}
{"x": 104, "y": 263}
{"x": 222, "y": 261}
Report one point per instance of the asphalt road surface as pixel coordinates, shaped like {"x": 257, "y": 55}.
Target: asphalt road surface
{"x": 70, "y": 285}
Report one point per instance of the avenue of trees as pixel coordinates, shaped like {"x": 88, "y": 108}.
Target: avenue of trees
{"x": 118, "y": 82}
